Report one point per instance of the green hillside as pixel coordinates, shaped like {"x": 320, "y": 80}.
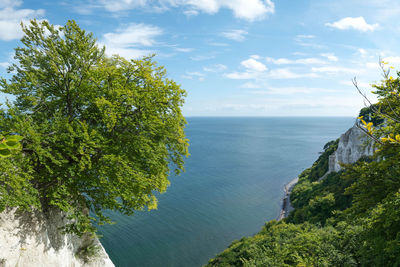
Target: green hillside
{"x": 349, "y": 218}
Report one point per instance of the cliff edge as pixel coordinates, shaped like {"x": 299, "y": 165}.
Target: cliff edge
{"x": 33, "y": 239}
{"x": 353, "y": 145}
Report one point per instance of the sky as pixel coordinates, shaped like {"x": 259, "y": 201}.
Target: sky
{"x": 238, "y": 57}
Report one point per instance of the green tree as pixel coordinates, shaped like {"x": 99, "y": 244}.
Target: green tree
{"x": 99, "y": 132}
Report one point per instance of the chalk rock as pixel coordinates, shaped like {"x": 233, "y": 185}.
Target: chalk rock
{"x": 33, "y": 239}
{"x": 353, "y": 144}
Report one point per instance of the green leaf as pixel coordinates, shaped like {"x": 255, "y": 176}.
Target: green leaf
{"x": 5, "y": 153}
{"x": 12, "y": 144}
{"x": 14, "y": 138}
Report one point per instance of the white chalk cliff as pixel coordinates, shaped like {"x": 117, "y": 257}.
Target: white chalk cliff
{"x": 32, "y": 239}
{"x": 353, "y": 144}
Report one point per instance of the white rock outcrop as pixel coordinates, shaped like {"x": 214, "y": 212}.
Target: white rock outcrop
{"x": 32, "y": 239}
{"x": 353, "y": 144}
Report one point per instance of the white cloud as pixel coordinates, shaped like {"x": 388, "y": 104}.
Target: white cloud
{"x": 250, "y": 9}
{"x": 120, "y": 5}
{"x": 279, "y": 61}
{"x": 218, "y": 44}
{"x": 253, "y": 65}
{"x": 129, "y": 53}
{"x": 133, "y": 35}
{"x": 357, "y": 23}
{"x": 330, "y": 56}
{"x": 301, "y": 61}
{"x": 254, "y": 69}
{"x": 288, "y": 74}
{"x": 128, "y": 40}
{"x": 362, "y": 51}
{"x": 202, "y": 57}
{"x": 335, "y": 69}
{"x": 362, "y": 85}
{"x": 372, "y": 65}
{"x": 194, "y": 75}
{"x": 305, "y": 36}
{"x": 183, "y": 50}
{"x": 278, "y": 74}
{"x": 191, "y": 13}
{"x": 310, "y": 61}
{"x": 251, "y": 85}
{"x": 291, "y": 91}
{"x": 242, "y": 75}
{"x": 307, "y": 41}
{"x": 393, "y": 60}
{"x": 10, "y": 3}
{"x": 306, "y": 105}
{"x": 215, "y": 68}
{"x": 11, "y": 18}
{"x": 244, "y": 9}
{"x": 299, "y": 54}
{"x": 237, "y": 35}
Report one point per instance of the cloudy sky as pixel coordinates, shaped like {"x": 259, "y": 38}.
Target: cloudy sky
{"x": 238, "y": 57}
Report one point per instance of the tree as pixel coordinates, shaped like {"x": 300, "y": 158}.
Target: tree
{"x": 379, "y": 178}
{"x": 376, "y": 190}
{"x": 99, "y": 132}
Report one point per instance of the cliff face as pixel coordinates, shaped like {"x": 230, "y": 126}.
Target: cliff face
{"x": 352, "y": 146}
{"x": 32, "y": 239}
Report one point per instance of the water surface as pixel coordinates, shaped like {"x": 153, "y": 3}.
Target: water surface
{"x": 233, "y": 183}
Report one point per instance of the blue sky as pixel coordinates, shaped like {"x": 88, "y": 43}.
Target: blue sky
{"x": 238, "y": 57}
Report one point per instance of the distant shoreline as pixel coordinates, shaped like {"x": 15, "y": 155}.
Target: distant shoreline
{"x": 286, "y": 207}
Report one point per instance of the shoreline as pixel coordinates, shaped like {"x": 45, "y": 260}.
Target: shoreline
{"x": 286, "y": 207}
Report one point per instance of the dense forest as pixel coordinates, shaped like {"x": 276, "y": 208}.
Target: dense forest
{"x": 349, "y": 218}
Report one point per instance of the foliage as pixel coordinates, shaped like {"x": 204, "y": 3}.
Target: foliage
{"x": 349, "y": 218}
{"x": 382, "y": 235}
{"x": 88, "y": 252}
{"x": 375, "y": 180}
{"x": 9, "y": 144}
{"x": 317, "y": 200}
{"x": 16, "y": 188}
{"x": 370, "y": 116}
{"x": 99, "y": 132}
{"x": 281, "y": 244}
{"x": 321, "y": 165}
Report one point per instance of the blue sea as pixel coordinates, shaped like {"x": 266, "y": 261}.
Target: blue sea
{"x": 233, "y": 184}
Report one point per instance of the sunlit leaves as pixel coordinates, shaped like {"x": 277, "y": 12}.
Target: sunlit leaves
{"x": 368, "y": 126}
{"x": 8, "y": 144}
{"x": 99, "y": 132}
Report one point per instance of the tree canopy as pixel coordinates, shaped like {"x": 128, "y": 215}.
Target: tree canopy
{"x": 98, "y": 132}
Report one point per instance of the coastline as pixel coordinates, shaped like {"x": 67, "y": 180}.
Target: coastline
{"x": 286, "y": 206}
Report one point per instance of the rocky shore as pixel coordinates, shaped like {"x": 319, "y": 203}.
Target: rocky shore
{"x": 286, "y": 206}
{"x": 353, "y": 145}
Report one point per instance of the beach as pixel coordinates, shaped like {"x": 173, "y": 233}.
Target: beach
{"x": 286, "y": 206}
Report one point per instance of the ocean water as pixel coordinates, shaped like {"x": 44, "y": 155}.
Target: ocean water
{"x": 233, "y": 184}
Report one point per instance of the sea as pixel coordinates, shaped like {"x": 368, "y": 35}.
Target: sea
{"x": 233, "y": 184}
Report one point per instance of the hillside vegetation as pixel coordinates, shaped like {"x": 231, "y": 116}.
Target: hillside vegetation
{"x": 350, "y": 218}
